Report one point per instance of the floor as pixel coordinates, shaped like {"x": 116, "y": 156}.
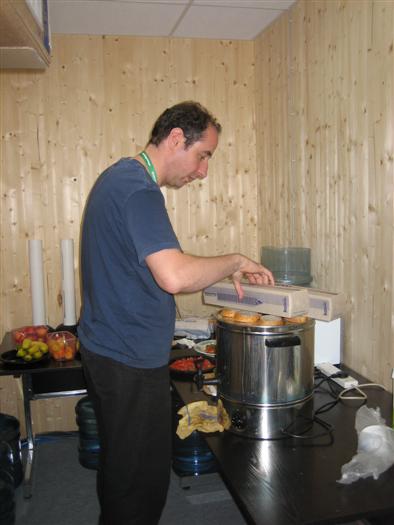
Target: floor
{"x": 64, "y": 493}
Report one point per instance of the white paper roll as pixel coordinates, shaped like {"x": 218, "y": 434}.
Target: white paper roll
{"x": 37, "y": 282}
{"x": 67, "y": 247}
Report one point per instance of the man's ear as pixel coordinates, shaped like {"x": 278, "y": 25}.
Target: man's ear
{"x": 176, "y": 138}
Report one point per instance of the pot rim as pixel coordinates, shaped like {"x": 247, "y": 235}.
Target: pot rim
{"x": 254, "y": 328}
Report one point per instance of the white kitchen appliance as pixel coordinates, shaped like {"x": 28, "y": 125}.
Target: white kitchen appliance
{"x": 328, "y": 341}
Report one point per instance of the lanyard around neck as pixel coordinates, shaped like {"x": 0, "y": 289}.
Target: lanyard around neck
{"x": 151, "y": 168}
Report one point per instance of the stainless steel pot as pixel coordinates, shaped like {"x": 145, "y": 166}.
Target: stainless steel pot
{"x": 265, "y": 375}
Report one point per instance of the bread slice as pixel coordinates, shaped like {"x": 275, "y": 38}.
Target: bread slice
{"x": 271, "y": 320}
{"x": 299, "y": 319}
{"x": 228, "y": 313}
{"x": 246, "y": 317}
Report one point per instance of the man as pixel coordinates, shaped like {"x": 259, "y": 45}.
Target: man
{"x": 132, "y": 265}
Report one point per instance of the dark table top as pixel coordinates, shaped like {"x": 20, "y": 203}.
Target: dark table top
{"x": 49, "y": 365}
{"x": 294, "y": 481}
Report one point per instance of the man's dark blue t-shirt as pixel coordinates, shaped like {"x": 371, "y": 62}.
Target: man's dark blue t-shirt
{"x": 125, "y": 315}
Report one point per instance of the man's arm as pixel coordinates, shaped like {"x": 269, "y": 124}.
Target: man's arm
{"x": 177, "y": 272}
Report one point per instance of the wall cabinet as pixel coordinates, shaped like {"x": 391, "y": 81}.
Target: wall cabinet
{"x": 24, "y": 36}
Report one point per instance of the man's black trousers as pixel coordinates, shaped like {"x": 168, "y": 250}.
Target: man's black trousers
{"x": 133, "y": 411}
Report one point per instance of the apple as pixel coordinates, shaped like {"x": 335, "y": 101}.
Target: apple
{"x": 41, "y": 332}
{"x": 33, "y": 333}
{"x": 18, "y": 337}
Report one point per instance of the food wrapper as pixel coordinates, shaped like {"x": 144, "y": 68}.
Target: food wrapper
{"x": 203, "y": 417}
{"x": 193, "y": 328}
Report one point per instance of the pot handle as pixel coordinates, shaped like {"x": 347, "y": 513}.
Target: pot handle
{"x": 280, "y": 342}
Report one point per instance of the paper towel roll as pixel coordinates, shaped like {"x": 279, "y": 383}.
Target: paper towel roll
{"x": 37, "y": 282}
{"x": 67, "y": 247}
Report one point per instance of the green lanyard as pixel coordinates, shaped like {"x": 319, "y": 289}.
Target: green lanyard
{"x": 151, "y": 168}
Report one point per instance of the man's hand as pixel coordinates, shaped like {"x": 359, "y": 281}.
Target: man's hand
{"x": 176, "y": 272}
{"x": 255, "y": 274}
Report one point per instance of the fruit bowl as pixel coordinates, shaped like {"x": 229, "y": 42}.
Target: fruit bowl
{"x": 32, "y": 333}
{"x": 62, "y": 345}
{"x": 31, "y": 350}
{"x": 11, "y": 359}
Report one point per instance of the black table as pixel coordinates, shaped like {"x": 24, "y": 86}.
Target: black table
{"x": 42, "y": 381}
{"x": 294, "y": 481}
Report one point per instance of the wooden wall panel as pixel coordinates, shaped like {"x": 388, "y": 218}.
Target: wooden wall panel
{"x": 305, "y": 158}
{"x": 273, "y": 147}
{"x": 338, "y": 185}
{"x": 97, "y": 102}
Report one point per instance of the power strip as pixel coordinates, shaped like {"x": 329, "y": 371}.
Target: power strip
{"x": 329, "y": 370}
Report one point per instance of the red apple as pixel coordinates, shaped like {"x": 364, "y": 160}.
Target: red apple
{"x": 18, "y": 337}
{"x": 41, "y": 331}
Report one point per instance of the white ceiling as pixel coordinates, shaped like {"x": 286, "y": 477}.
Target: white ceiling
{"x": 217, "y": 19}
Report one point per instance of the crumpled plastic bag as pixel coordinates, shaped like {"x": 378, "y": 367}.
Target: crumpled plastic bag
{"x": 375, "y": 451}
{"x": 193, "y": 328}
{"x": 203, "y": 417}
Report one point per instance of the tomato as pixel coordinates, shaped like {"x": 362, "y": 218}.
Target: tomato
{"x": 188, "y": 364}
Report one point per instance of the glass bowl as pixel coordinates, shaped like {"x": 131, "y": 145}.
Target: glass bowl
{"x": 62, "y": 345}
{"x": 33, "y": 333}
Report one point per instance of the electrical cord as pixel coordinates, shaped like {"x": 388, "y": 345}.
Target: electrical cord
{"x": 332, "y": 391}
{"x": 328, "y": 428}
{"x": 363, "y": 396}
{"x": 330, "y": 384}
{"x": 327, "y": 432}
{"x": 342, "y": 394}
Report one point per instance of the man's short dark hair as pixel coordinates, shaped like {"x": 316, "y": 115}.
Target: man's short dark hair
{"x": 190, "y": 116}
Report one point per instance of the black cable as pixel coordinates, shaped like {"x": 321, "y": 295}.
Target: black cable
{"x": 333, "y": 390}
{"x": 327, "y": 406}
{"x": 328, "y": 428}
{"x": 328, "y": 431}
{"x": 329, "y": 383}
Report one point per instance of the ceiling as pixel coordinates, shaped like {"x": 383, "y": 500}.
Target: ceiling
{"x": 216, "y": 19}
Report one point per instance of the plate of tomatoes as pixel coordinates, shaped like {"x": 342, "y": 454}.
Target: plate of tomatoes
{"x": 207, "y": 348}
{"x": 187, "y": 367}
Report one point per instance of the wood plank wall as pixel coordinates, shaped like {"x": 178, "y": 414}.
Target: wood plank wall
{"x": 306, "y": 158}
{"x": 325, "y": 120}
{"x": 96, "y": 103}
